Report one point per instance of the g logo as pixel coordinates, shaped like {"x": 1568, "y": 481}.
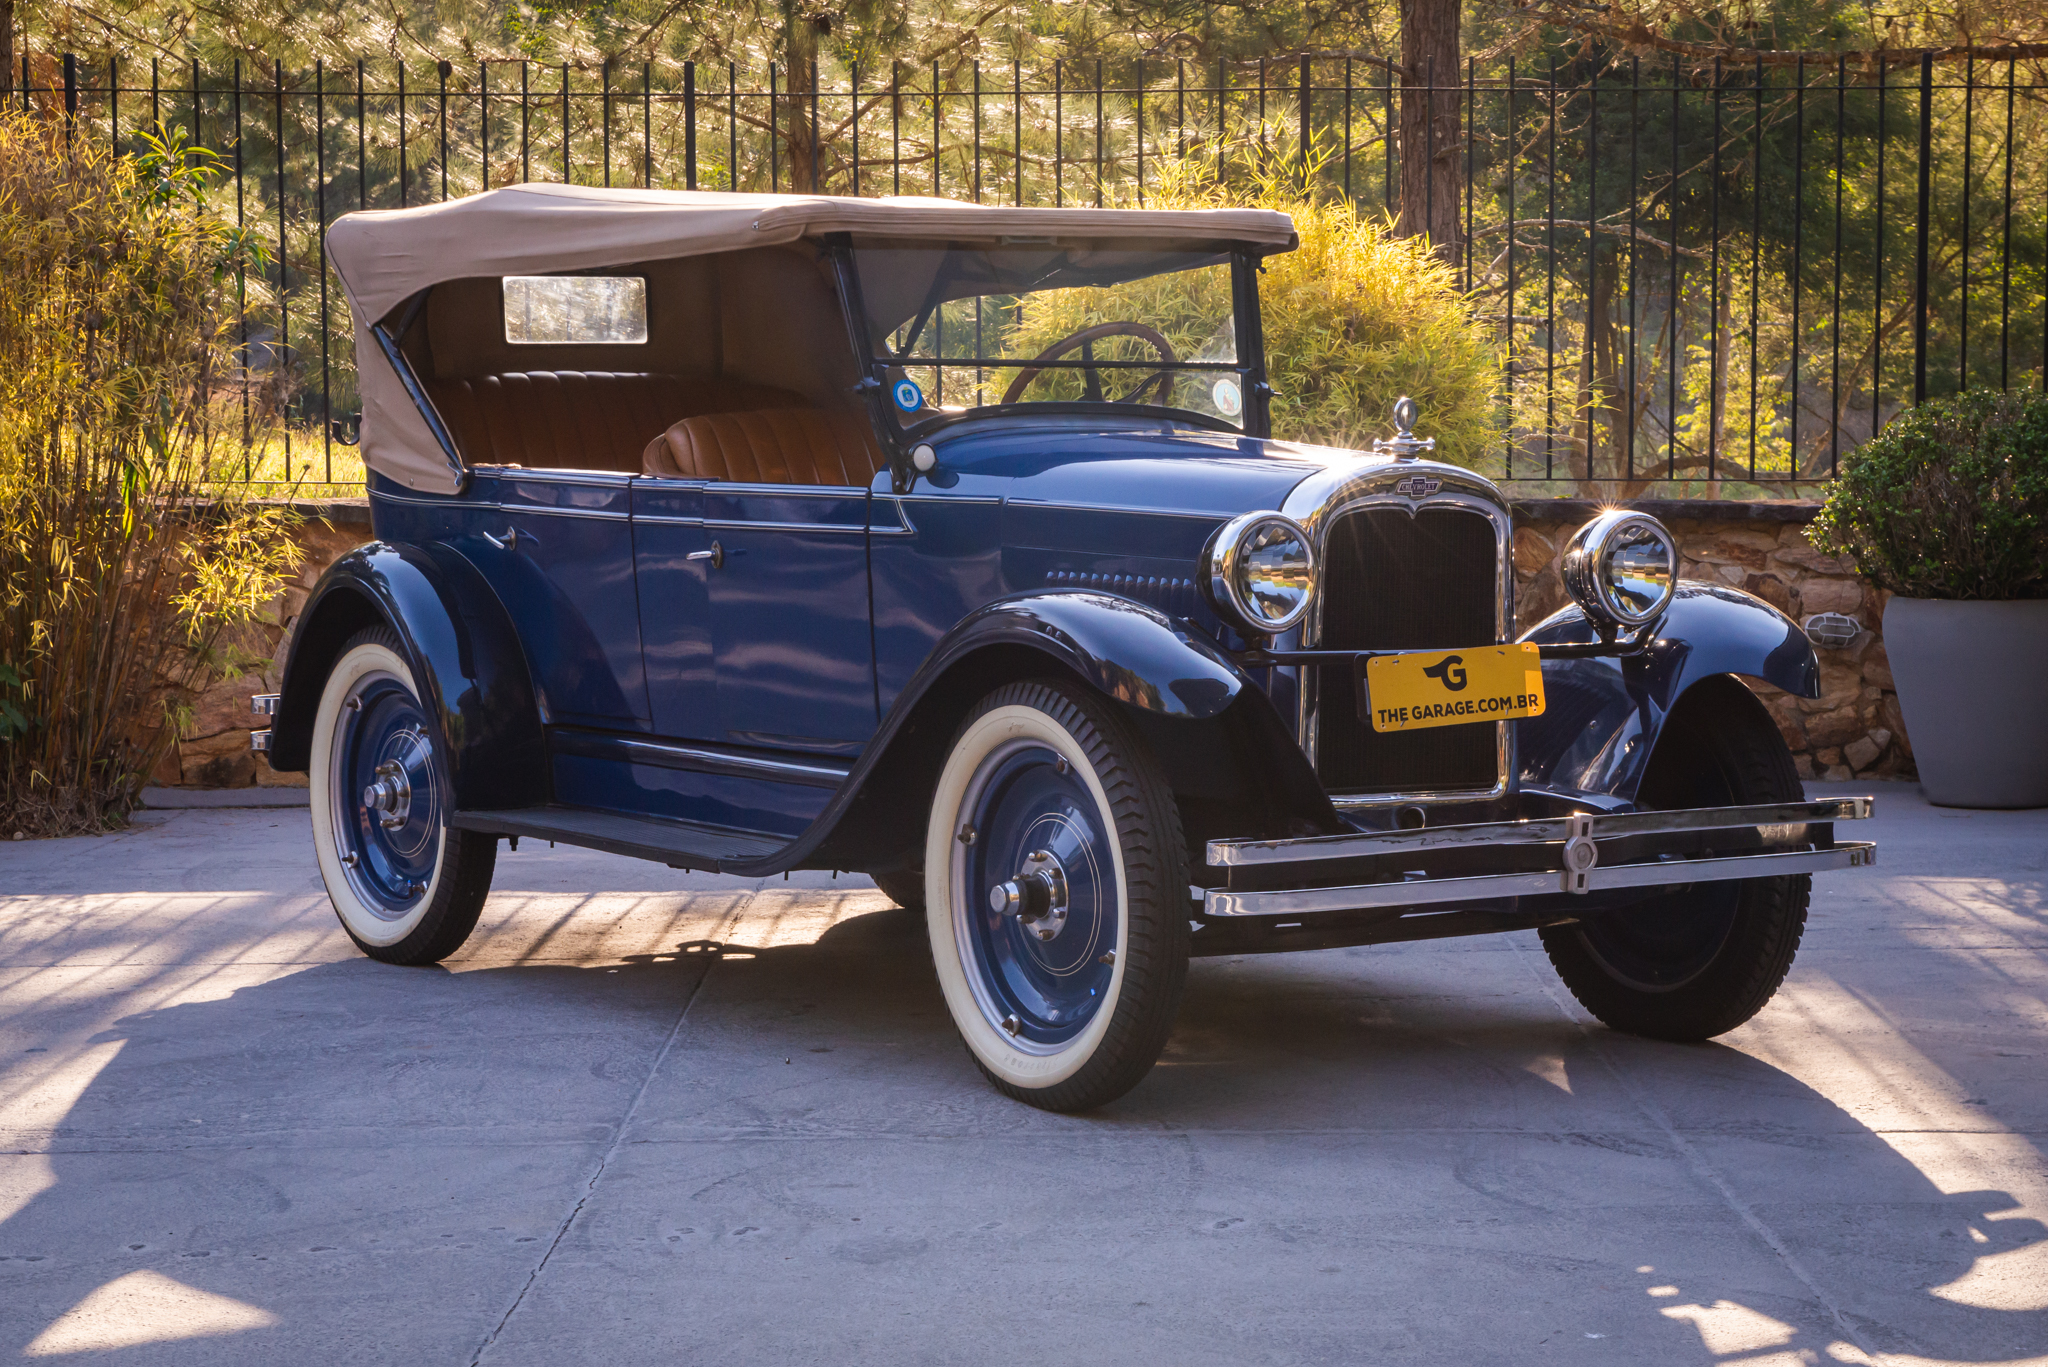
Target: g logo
{"x": 1450, "y": 672}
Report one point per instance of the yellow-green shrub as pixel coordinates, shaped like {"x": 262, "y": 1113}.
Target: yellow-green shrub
{"x": 1354, "y": 318}
{"x": 124, "y": 565}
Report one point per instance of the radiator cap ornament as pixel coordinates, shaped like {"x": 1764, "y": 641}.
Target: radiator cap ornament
{"x": 1404, "y": 445}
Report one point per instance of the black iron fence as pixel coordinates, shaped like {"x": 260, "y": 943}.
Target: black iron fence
{"x": 1704, "y": 279}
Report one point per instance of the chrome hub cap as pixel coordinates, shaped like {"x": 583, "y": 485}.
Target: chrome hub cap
{"x": 390, "y": 797}
{"x": 1037, "y": 896}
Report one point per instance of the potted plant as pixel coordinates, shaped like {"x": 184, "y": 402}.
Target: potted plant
{"x": 1947, "y": 510}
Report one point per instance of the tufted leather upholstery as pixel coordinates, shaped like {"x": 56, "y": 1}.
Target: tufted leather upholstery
{"x": 782, "y": 446}
{"x": 581, "y": 419}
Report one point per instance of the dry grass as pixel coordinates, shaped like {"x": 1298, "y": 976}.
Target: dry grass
{"x": 269, "y": 467}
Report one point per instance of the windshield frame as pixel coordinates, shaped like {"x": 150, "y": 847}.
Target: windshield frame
{"x": 902, "y": 432}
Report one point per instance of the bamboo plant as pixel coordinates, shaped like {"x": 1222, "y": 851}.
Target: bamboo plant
{"x": 126, "y": 565}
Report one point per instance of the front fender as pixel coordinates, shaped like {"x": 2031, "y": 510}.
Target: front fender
{"x": 1213, "y": 729}
{"x": 464, "y": 654}
{"x": 1603, "y": 716}
{"x": 1128, "y": 650}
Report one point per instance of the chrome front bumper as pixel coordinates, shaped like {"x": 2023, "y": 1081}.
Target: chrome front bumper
{"x": 1569, "y": 855}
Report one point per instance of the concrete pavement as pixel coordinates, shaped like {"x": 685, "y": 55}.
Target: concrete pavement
{"x": 656, "y": 1117}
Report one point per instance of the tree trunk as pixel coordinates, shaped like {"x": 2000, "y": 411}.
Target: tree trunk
{"x": 7, "y": 57}
{"x": 1431, "y": 146}
{"x": 1602, "y": 421}
{"x": 800, "y": 53}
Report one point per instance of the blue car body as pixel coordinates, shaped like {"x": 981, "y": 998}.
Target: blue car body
{"x": 757, "y": 677}
{"x": 588, "y": 665}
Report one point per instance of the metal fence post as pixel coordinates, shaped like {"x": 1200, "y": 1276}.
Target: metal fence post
{"x": 1969, "y": 181}
{"x": 1306, "y": 114}
{"x": 690, "y": 126}
{"x": 1626, "y": 406}
{"x": 1920, "y": 243}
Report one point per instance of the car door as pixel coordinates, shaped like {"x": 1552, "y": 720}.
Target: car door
{"x": 754, "y": 604}
{"x": 671, "y": 553}
{"x": 787, "y": 596}
{"x": 557, "y": 547}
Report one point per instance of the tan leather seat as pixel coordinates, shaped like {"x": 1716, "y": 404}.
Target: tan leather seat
{"x": 782, "y": 446}
{"x": 581, "y": 419}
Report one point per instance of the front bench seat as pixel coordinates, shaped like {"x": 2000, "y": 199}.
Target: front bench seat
{"x": 776, "y": 446}
{"x": 581, "y": 419}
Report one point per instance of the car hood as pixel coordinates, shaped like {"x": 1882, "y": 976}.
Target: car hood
{"x": 1179, "y": 470}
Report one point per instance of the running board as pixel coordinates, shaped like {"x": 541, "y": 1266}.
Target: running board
{"x": 1492, "y": 887}
{"x": 679, "y": 844}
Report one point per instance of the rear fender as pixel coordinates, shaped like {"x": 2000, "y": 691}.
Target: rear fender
{"x": 1228, "y": 755}
{"x": 1603, "y": 716}
{"x": 464, "y": 655}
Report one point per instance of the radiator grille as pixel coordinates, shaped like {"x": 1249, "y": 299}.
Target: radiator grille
{"x": 1396, "y": 582}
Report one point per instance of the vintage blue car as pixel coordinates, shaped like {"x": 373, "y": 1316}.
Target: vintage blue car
{"x": 950, "y": 545}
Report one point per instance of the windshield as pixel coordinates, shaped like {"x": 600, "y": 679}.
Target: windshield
{"x": 956, "y": 328}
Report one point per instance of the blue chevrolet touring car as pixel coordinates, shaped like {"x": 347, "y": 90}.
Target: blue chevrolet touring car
{"x": 950, "y": 545}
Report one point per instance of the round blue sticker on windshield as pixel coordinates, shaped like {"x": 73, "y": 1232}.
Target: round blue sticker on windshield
{"x": 909, "y": 397}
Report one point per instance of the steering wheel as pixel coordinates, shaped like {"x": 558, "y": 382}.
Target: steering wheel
{"x": 1085, "y": 339}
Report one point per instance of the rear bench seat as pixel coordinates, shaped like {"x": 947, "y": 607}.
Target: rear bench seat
{"x": 775, "y": 446}
{"x": 582, "y": 419}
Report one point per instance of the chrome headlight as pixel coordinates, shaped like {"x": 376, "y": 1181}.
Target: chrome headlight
{"x": 1261, "y": 573}
{"x": 1622, "y": 567}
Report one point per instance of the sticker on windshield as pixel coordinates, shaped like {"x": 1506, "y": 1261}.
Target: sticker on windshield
{"x": 909, "y": 397}
{"x": 1229, "y": 402}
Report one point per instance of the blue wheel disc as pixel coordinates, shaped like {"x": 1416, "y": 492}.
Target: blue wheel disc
{"x": 1025, "y": 800}
{"x": 389, "y": 855}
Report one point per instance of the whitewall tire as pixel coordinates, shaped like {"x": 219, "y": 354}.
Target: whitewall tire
{"x": 1055, "y": 892}
{"x": 407, "y": 887}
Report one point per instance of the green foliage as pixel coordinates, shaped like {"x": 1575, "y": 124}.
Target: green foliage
{"x": 123, "y": 573}
{"x": 1354, "y": 318}
{"x": 1949, "y": 501}
{"x": 13, "y": 721}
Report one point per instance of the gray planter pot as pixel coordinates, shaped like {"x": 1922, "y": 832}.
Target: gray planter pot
{"x": 1972, "y": 679}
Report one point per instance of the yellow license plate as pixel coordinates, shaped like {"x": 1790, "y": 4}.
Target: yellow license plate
{"x": 1424, "y": 688}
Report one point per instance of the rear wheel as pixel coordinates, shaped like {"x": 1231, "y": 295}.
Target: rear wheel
{"x": 1055, "y": 894}
{"x": 408, "y": 888}
{"x": 904, "y": 887}
{"x": 1700, "y": 960}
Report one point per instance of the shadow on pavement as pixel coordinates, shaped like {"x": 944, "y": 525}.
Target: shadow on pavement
{"x": 363, "y": 1162}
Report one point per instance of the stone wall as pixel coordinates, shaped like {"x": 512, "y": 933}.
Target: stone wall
{"x": 214, "y": 751}
{"x": 1852, "y": 730}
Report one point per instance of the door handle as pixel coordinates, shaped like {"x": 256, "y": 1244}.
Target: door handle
{"x": 510, "y": 540}
{"x": 716, "y": 555}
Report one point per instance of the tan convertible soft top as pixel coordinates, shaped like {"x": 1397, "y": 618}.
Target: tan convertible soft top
{"x": 384, "y": 257}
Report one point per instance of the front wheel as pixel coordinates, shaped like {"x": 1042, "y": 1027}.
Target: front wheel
{"x": 407, "y": 887}
{"x": 1700, "y": 960}
{"x": 1055, "y": 895}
